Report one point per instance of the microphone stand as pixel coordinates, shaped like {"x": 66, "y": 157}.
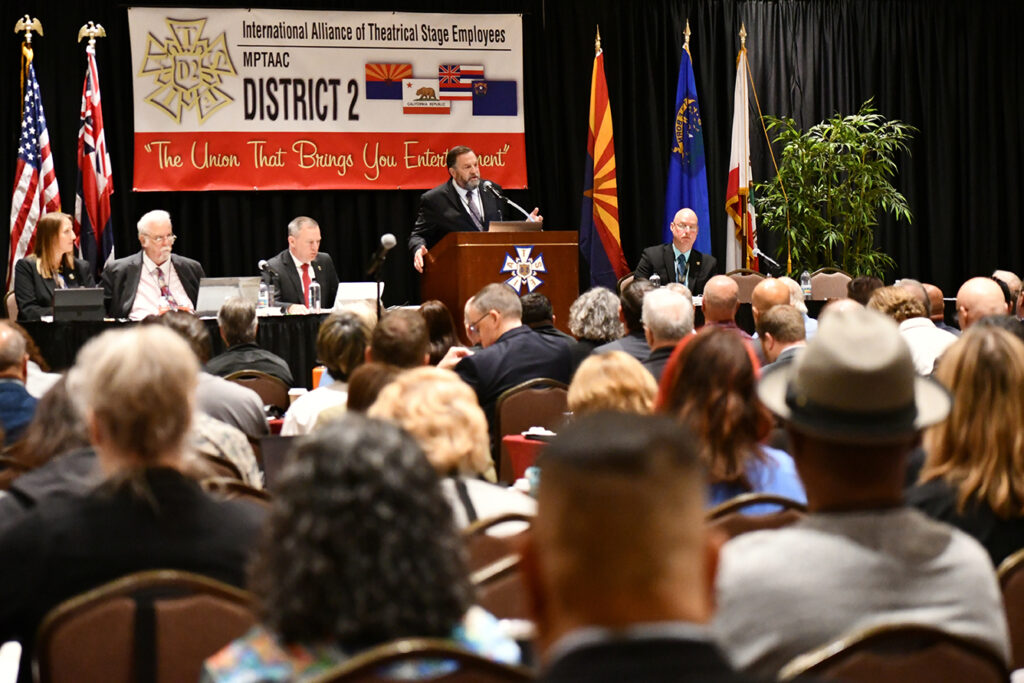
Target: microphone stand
{"x": 490, "y": 186}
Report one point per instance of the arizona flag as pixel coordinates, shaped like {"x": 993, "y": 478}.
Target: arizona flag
{"x": 35, "y": 182}
{"x": 740, "y": 243}
{"x": 599, "y": 223}
{"x": 384, "y": 81}
{"x": 95, "y": 180}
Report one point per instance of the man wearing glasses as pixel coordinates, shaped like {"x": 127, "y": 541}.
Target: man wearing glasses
{"x": 678, "y": 261}
{"x": 153, "y": 280}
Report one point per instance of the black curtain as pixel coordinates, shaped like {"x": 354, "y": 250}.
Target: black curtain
{"x": 947, "y": 67}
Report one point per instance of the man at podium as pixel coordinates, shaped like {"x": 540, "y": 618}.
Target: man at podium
{"x": 463, "y": 204}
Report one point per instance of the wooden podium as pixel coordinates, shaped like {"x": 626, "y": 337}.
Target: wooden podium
{"x": 463, "y": 262}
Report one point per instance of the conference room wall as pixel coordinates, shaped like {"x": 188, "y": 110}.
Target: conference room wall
{"x": 949, "y": 68}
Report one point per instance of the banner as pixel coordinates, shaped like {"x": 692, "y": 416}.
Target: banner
{"x": 254, "y": 99}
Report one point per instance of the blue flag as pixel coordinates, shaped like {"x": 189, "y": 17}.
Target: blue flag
{"x": 687, "y": 181}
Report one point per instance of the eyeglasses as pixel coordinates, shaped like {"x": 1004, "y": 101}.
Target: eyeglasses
{"x": 685, "y": 227}
{"x": 162, "y": 239}
{"x": 472, "y": 327}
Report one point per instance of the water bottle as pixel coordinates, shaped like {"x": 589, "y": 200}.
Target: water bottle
{"x": 314, "y": 296}
{"x": 655, "y": 279}
{"x": 805, "y": 284}
{"x": 263, "y": 302}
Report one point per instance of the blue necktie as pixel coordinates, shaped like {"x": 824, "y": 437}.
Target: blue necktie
{"x": 682, "y": 268}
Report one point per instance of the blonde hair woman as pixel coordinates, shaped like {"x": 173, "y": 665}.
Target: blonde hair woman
{"x": 442, "y": 414}
{"x": 612, "y": 381}
{"x": 972, "y": 472}
{"x": 52, "y": 266}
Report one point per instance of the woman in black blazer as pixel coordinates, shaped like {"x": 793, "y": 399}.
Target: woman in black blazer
{"x": 52, "y": 266}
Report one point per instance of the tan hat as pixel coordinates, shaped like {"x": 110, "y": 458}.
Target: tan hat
{"x": 855, "y": 381}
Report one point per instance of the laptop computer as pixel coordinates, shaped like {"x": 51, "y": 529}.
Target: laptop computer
{"x": 213, "y": 291}
{"x": 78, "y": 303}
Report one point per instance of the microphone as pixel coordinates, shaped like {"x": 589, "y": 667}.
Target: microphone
{"x": 263, "y": 265}
{"x": 488, "y": 185}
{"x": 760, "y": 254}
{"x": 387, "y": 243}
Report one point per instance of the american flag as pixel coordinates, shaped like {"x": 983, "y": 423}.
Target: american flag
{"x": 35, "y": 183}
{"x": 95, "y": 182}
{"x": 456, "y": 80}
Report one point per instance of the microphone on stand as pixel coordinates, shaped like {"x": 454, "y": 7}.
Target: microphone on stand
{"x": 761, "y": 255}
{"x": 387, "y": 243}
{"x": 488, "y": 185}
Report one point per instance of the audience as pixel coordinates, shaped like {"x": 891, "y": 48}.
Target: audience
{"x": 341, "y": 345}
{"x": 630, "y": 311}
{"x": 710, "y": 385}
{"x": 859, "y": 288}
{"x": 1013, "y": 284}
{"x": 360, "y": 550}
{"x": 667, "y": 318}
{"x": 17, "y": 406}
{"x": 401, "y": 339}
{"x": 38, "y": 378}
{"x": 594, "y": 319}
{"x": 539, "y": 315}
{"x": 720, "y": 302}
{"x": 854, "y": 408}
{"x": 971, "y": 476}
{"x": 364, "y": 385}
{"x": 977, "y": 298}
{"x": 440, "y": 329}
{"x": 782, "y": 334}
{"x": 904, "y": 304}
{"x": 238, "y": 326}
{"x": 937, "y": 306}
{"x": 613, "y": 381}
{"x": 796, "y": 300}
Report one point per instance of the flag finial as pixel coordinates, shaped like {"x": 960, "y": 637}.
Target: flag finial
{"x": 92, "y": 32}
{"x": 597, "y": 41}
{"x": 743, "y": 36}
{"x": 686, "y": 35}
{"x": 28, "y": 25}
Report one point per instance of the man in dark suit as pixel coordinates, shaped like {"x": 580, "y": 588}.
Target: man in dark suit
{"x": 678, "y": 261}
{"x": 238, "y": 326}
{"x": 626, "y": 596}
{"x": 153, "y": 280}
{"x": 290, "y": 273}
{"x": 459, "y": 205}
{"x": 667, "y": 318}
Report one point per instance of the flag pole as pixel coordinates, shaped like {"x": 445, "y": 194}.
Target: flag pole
{"x": 92, "y": 32}
{"x": 28, "y": 25}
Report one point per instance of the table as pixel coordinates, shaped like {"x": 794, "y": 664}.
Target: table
{"x": 293, "y": 337}
{"x": 522, "y": 452}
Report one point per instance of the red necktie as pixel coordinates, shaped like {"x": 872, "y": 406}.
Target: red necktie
{"x": 305, "y": 281}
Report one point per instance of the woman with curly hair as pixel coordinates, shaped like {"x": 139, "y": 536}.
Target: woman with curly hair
{"x": 972, "y": 472}
{"x": 710, "y": 384}
{"x": 593, "y": 320}
{"x": 359, "y": 550}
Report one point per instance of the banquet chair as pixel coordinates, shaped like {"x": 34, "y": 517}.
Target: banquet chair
{"x": 227, "y": 488}
{"x": 746, "y": 280}
{"x": 484, "y": 548}
{"x": 1011, "y": 581}
{"x": 729, "y": 519}
{"x": 272, "y": 391}
{"x": 829, "y": 283}
{"x": 537, "y": 402}
{"x": 501, "y": 590}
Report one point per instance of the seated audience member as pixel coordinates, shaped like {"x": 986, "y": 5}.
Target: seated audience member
{"x": 1004, "y": 322}
{"x": 781, "y": 333}
{"x": 594, "y": 320}
{"x": 400, "y": 339}
{"x": 627, "y": 595}
{"x": 539, "y": 315}
{"x": 720, "y": 303}
{"x": 977, "y": 298}
{"x": 904, "y": 305}
{"x": 613, "y": 381}
{"x": 137, "y": 391}
{"x": 859, "y": 288}
{"x": 1013, "y": 283}
{"x": 341, "y": 345}
{"x": 512, "y": 353}
{"x": 17, "y": 406}
{"x": 710, "y": 385}
{"x": 360, "y": 549}
{"x": 937, "y": 306}
{"x": 52, "y": 266}
{"x": 678, "y": 261}
{"x": 854, "y": 408}
{"x": 153, "y": 280}
{"x": 667, "y": 318}
{"x": 679, "y": 288}
{"x": 222, "y": 441}
{"x": 364, "y": 385}
{"x": 238, "y": 325}
{"x": 222, "y": 400}
{"x": 796, "y": 300}
{"x": 440, "y": 329}
{"x": 39, "y": 378}
{"x": 768, "y": 293}
{"x": 442, "y": 414}
{"x": 632, "y": 339}
{"x": 971, "y": 475}
{"x": 291, "y": 273}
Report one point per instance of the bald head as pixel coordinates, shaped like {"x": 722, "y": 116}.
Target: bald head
{"x": 721, "y": 299}
{"x": 684, "y": 229}
{"x": 769, "y": 292}
{"x": 977, "y": 298}
{"x": 935, "y": 302}
{"x": 1011, "y": 280}
{"x": 13, "y": 353}
{"x": 838, "y": 306}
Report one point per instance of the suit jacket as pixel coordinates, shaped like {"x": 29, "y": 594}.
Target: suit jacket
{"x": 654, "y": 660}
{"x": 121, "y": 281}
{"x": 283, "y": 278}
{"x": 34, "y": 293}
{"x": 661, "y": 259}
{"x": 442, "y": 211}
{"x": 17, "y": 407}
{"x": 250, "y": 356}
{"x": 656, "y": 362}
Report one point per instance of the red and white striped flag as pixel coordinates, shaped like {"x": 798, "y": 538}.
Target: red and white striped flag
{"x": 35, "y": 182}
{"x": 95, "y": 181}
{"x": 740, "y": 243}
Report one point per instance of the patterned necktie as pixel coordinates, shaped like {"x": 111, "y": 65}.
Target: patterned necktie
{"x": 306, "y": 280}
{"x": 474, "y": 212}
{"x": 682, "y": 268}
{"x": 165, "y": 291}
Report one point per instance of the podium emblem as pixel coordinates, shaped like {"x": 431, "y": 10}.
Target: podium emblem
{"x": 524, "y": 269}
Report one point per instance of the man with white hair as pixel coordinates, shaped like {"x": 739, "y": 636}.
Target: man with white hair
{"x": 667, "y": 318}
{"x": 153, "y": 280}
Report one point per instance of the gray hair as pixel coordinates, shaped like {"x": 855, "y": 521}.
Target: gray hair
{"x": 595, "y": 315}
{"x": 667, "y": 315}
{"x": 796, "y": 294}
{"x": 299, "y": 222}
{"x": 499, "y": 297}
{"x": 237, "y": 321}
{"x": 681, "y": 289}
{"x": 154, "y": 216}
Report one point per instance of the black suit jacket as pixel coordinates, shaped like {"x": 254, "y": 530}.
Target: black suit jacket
{"x": 121, "y": 281}
{"x": 441, "y": 211}
{"x": 661, "y": 259}
{"x": 34, "y": 293}
{"x": 655, "y": 660}
{"x": 283, "y": 278}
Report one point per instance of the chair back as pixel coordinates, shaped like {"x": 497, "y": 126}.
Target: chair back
{"x": 1011, "y": 581}
{"x": 10, "y": 306}
{"x": 234, "y": 489}
{"x": 537, "y": 402}
{"x": 501, "y": 590}
{"x": 485, "y": 548}
{"x": 624, "y": 282}
{"x": 746, "y": 280}
{"x": 274, "y": 451}
{"x": 150, "y": 627}
{"x": 272, "y": 391}
{"x": 372, "y": 666}
{"x": 896, "y": 653}
{"x": 218, "y": 466}
{"x": 729, "y": 519}
{"x": 829, "y": 283}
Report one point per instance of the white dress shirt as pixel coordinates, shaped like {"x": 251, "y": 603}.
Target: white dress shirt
{"x": 147, "y": 296}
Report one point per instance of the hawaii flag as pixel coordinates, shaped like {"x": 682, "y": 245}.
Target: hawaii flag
{"x": 95, "y": 180}
{"x": 740, "y": 243}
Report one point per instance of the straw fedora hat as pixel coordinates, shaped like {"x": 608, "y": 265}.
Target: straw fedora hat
{"x": 855, "y": 381}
